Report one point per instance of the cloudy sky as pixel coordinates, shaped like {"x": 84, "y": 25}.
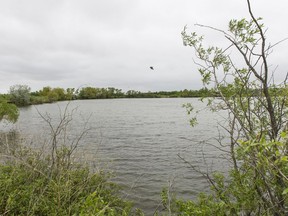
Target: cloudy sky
{"x": 103, "y": 43}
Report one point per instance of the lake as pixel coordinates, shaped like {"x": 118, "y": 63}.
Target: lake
{"x": 140, "y": 140}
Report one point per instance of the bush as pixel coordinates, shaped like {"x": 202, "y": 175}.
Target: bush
{"x": 258, "y": 187}
{"x": 30, "y": 187}
{"x": 8, "y": 112}
{"x": 20, "y": 95}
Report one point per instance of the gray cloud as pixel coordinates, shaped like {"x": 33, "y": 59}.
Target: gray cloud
{"x": 113, "y": 43}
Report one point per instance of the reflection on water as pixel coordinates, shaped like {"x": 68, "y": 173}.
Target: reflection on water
{"x": 140, "y": 140}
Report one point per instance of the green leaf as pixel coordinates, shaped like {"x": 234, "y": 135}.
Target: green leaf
{"x": 285, "y": 191}
{"x": 283, "y": 134}
{"x": 8, "y": 112}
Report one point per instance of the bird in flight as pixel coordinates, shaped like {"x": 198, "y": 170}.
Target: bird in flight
{"x": 152, "y": 68}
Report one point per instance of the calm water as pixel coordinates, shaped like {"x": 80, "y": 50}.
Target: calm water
{"x": 139, "y": 140}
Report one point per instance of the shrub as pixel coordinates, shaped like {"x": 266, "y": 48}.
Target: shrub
{"x": 30, "y": 187}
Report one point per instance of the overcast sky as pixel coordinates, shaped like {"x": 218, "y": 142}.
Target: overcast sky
{"x": 112, "y": 43}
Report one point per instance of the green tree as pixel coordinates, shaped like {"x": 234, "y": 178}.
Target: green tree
{"x": 256, "y": 123}
{"x": 60, "y": 92}
{"x": 20, "y": 95}
{"x": 70, "y": 94}
{"x": 133, "y": 94}
{"x": 88, "y": 93}
{"x": 52, "y": 96}
{"x": 45, "y": 91}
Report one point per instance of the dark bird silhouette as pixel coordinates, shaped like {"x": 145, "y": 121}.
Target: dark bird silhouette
{"x": 152, "y": 68}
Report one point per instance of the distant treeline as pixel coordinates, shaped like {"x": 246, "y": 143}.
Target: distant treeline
{"x": 48, "y": 94}
{"x": 21, "y": 94}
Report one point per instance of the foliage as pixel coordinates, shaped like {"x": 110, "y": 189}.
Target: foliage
{"x": 100, "y": 93}
{"x": 104, "y": 93}
{"x": 20, "y": 95}
{"x": 50, "y": 95}
{"x": 256, "y": 123}
{"x": 253, "y": 189}
{"x": 8, "y": 112}
{"x": 27, "y": 188}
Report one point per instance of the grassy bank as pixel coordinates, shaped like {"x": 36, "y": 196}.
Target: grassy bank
{"x": 33, "y": 184}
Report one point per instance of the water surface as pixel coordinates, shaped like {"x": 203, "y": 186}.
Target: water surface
{"x": 140, "y": 140}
